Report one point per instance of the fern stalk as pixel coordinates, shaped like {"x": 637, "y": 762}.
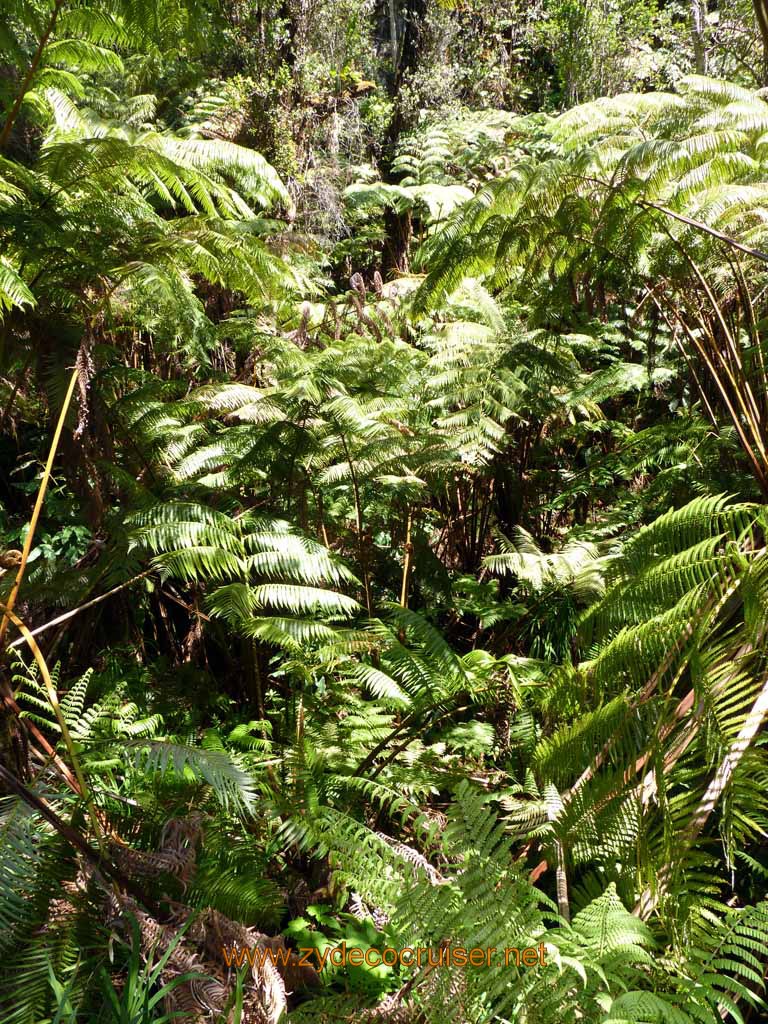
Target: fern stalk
{"x": 719, "y": 381}
{"x": 649, "y": 900}
{"x": 359, "y": 523}
{"x": 686, "y": 357}
{"x": 407, "y": 561}
{"x": 757, "y": 253}
{"x": 24, "y": 87}
{"x": 746, "y": 298}
{"x": 38, "y": 505}
{"x": 53, "y": 698}
{"x": 66, "y": 616}
{"x": 742, "y": 386}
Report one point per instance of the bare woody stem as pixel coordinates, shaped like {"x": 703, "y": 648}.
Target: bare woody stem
{"x": 33, "y": 66}
{"x": 38, "y": 506}
{"x": 359, "y": 522}
{"x": 72, "y": 836}
{"x": 407, "y": 561}
{"x": 53, "y": 699}
{"x": 734, "y": 243}
{"x": 65, "y": 616}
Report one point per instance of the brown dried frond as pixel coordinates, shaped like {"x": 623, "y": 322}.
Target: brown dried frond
{"x": 64, "y": 909}
{"x": 392, "y": 1010}
{"x": 300, "y": 334}
{"x": 85, "y": 371}
{"x": 356, "y": 282}
{"x": 440, "y": 992}
{"x": 413, "y": 857}
{"x": 200, "y": 997}
{"x": 363, "y": 319}
{"x": 361, "y": 910}
{"x": 215, "y": 931}
{"x": 10, "y": 559}
{"x": 337, "y": 324}
{"x": 199, "y": 950}
{"x": 176, "y": 855}
{"x": 387, "y": 322}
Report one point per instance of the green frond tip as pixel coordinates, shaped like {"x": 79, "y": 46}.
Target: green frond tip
{"x": 232, "y": 785}
{"x": 13, "y": 290}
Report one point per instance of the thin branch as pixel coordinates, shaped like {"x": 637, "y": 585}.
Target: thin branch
{"x": 53, "y": 699}
{"x": 38, "y": 505}
{"x": 757, "y": 253}
{"x": 88, "y": 604}
{"x": 24, "y": 87}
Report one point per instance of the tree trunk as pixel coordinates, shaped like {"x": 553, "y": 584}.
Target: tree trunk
{"x": 414, "y": 13}
{"x": 698, "y": 29}
{"x": 392, "y": 6}
{"x": 27, "y": 80}
{"x": 761, "y": 14}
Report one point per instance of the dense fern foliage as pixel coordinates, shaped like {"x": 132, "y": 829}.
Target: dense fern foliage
{"x": 383, "y": 512}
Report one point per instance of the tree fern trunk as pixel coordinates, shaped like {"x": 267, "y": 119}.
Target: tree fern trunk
{"x": 761, "y": 14}
{"x": 27, "y": 81}
{"x": 698, "y": 27}
{"x": 563, "y": 903}
{"x": 392, "y": 5}
{"x": 398, "y": 226}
